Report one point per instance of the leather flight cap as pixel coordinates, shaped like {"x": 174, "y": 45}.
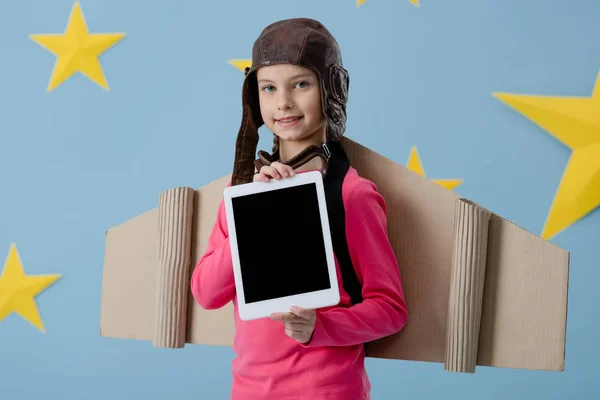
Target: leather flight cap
{"x": 300, "y": 41}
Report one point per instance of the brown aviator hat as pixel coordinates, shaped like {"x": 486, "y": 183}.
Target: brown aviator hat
{"x": 300, "y": 41}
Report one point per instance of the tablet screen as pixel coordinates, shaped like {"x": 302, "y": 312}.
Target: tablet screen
{"x": 280, "y": 243}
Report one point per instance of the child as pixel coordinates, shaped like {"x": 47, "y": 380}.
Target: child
{"x": 298, "y": 88}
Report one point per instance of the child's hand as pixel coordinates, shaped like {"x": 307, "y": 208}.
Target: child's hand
{"x": 276, "y": 170}
{"x": 299, "y": 324}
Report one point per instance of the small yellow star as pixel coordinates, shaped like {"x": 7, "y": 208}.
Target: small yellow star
{"x": 361, "y": 2}
{"x": 414, "y": 164}
{"x": 77, "y": 50}
{"x": 241, "y": 64}
{"x": 17, "y": 290}
{"x": 574, "y": 121}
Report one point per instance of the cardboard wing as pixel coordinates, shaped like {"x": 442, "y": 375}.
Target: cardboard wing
{"x": 480, "y": 290}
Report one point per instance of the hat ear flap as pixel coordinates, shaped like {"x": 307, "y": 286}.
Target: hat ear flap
{"x": 247, "y": 139}
{"x": 338, "y": 83}
{"x": 251, "y": 98}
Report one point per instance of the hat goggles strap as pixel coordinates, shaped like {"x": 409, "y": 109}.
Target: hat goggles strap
{"x": 302, "y": 158}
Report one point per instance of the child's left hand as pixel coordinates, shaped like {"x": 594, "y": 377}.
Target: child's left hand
{"x": 299, "y": 324}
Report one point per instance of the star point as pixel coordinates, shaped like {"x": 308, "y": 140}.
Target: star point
{"x": 575, "y": 122}
{"x": 414, "y": 164}
{"x": 77, "y": 50}
{"x": 241, "y": 63}
{"x": 18, "y": 290}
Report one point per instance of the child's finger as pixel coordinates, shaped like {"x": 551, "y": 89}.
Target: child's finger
{"x": 294, "y": 334}
{"x": 260, "y": 178}
{"x": 284, "y": 170}
{"x": 280, "y": 169}
{"x": 286, "y": 317}
{"x": 296, "y": 326}
{"x": 270, "y": 171}
{"x": 277, "y": 316}
{"x": 305, "y": 313}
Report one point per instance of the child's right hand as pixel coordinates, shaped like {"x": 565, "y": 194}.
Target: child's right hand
{"x": 276, "y": 170}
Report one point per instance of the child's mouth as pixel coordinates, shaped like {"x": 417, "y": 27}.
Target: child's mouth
{"x": 287, "y": 122}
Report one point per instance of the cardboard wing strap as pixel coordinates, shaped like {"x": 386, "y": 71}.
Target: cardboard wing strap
{"x": 480, "y": 290}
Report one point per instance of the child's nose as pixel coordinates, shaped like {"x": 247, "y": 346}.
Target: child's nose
{"x": 284, "y": 102}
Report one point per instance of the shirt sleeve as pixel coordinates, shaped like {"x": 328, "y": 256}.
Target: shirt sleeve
{"x": 383, "y": 310}
{"x": 212, "y": 283}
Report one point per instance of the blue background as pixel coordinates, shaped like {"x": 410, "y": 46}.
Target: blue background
{"x": 80, "y": 160}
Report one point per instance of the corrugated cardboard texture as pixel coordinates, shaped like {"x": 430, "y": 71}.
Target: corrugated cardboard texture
{"x": 522, "y": 308}
{"x": 471, "y": 225}
{"x": 175, "y": 211}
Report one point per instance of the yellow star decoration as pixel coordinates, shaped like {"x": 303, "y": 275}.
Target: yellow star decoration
{"x": 361, "y": 2}
{"x": 414, "y": 164}
{"x": 17, "y": 290}
{"x": 575, "y": 121}
{"x": 241, "y": 64}
{"x": 77, "y": 50}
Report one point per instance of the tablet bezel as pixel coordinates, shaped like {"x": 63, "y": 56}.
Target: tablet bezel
{"x": 312, "y": 300}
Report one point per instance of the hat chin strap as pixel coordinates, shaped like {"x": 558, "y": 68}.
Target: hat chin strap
{"x": 306, "y": 155}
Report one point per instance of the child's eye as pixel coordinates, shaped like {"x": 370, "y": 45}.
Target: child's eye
{"x": 268, "y": 88}
{"x": 302, "y": 84}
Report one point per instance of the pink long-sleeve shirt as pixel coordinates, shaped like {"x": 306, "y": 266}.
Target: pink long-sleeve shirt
{"x": 271, "y": 365}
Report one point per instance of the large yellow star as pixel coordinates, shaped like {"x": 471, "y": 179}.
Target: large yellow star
{"x": 361, "y": 2}
{"x": 575, "y": 121}
{"x": 17, "y": 290}
{"x": 241, "y": 63}
{"x": 77, "y": 50}
{"x": 414, "y": 164}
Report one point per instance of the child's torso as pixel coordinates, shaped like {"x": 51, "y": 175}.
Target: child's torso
{"x": 271, "y": 365}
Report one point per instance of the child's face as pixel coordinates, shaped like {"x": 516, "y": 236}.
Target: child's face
{"x": 290, "y": 101}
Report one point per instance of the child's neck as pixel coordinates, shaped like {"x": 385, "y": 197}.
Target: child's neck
{"x": 289, "y": 149}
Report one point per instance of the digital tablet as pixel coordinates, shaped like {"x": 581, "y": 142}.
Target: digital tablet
{"x": 281, "y": 245}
